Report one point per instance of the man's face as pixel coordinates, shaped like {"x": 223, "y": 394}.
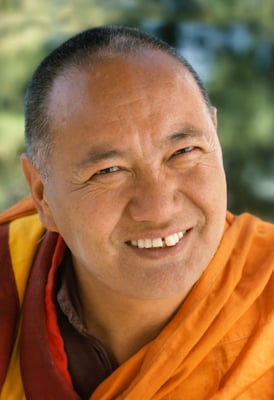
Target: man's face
{"x": 136, "y": 186}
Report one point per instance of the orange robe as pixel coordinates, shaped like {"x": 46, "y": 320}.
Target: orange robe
{"x": 219, "y": 345}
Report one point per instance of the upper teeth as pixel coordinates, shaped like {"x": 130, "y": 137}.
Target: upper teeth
{"x": 169, "y": 240}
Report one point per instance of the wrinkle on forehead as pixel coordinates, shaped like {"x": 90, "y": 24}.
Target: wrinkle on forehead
{"x": 101, "y": 73}
{"x": 125, "y": 88}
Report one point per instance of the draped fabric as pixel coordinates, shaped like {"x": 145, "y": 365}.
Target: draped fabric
{"x": 219, "y": 345}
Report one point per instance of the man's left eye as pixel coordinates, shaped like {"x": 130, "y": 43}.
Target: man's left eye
{"x": 184, "y": 150}
{"x": 108, "y": 170}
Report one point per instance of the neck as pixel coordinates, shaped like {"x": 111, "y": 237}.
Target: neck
{"x": 124, "y": 325}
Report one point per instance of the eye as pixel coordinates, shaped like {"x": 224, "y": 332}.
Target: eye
{"x": 184, "y": 150}
{"x": 108, "y": 170}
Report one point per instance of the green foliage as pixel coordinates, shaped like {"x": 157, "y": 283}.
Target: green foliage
{"x": 257, "y": 12}
{"x": 12, "y": 182}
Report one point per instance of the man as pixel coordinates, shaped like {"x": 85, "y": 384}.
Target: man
{"x": 134, "y": 282}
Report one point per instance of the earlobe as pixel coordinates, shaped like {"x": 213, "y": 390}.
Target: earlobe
{"x": 37, "y": 188}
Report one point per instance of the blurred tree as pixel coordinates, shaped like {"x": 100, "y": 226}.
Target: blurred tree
{"x": 9, "y": 4}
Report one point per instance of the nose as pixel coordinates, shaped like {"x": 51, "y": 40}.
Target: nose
{"x": 154, "y": 200}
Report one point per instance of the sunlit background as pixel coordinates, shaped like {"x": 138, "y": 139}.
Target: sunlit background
{"x": 229, "y": 43}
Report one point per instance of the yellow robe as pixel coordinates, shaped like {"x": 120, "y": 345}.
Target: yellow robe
{"x": 219, "y": 345}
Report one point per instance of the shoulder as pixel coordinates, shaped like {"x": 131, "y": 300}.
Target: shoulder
{"x": 23, "y": 208}
{"x": 253, "y": 254}
{"x": 252, "y": 232}
{"x": 20, "y": 233}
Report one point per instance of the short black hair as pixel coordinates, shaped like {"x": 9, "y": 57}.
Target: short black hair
{"x": 77, "y": 51}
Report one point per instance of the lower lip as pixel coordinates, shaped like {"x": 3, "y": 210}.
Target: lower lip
{"x": 160, "y": 252}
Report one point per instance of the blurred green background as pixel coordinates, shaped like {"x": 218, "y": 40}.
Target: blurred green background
{"x": 229, "y": 43}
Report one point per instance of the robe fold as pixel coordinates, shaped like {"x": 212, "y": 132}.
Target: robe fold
{"x": 219, "y": 345}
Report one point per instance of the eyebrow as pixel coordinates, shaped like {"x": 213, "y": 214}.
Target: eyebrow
{"x": 183, "y": 134}
{"x": 101, "y": 153}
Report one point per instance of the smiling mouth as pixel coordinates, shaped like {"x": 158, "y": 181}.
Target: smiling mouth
{"x": 168, "y": 241}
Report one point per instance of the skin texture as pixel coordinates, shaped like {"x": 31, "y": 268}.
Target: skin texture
{"x": 135, "y": 155}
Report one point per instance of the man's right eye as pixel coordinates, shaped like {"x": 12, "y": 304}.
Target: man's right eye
{"x": 184, "y": 150}
{"x": 108, "y": 170}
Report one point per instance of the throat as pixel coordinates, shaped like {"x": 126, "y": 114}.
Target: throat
{"x": 123, "y": 324}
{"x": 124, "y": 339}
{"x": 124, "y": 328}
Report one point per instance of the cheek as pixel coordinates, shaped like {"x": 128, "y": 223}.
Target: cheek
{"x": 214, "y": 201}
{"x": 217, "y": 188}
{"x": 86, "y": 217}
{"x": 206, "y": 186}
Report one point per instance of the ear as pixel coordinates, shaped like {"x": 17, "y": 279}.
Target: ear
{"x": 214, "y": 116}
{"x": 37, "y": 188}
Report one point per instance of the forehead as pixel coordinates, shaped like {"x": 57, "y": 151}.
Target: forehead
{"x": 119, "y": 75}
{"x": 123, "y": 94}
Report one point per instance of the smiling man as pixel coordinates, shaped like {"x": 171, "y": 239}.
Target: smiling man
{"x": 125, "y": 277}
